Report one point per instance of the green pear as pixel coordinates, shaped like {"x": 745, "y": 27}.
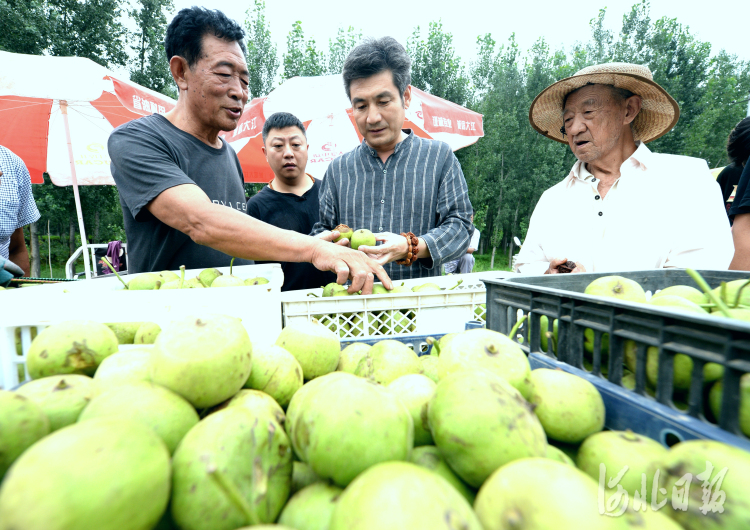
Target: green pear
{"x": 428, "y": 457}
{"x": 228, "y": 281}
{"x": 683, "y": 291}
{"x": 362, "y": 237}
{"x": 714, "y": 400}
{"x": 312, "y": 507}
{"x": 430, "y": 366}
{"x": 617, "y": 449}
{"x": 194, "y": 283}
{"x": 415, "y": 392}
{"x": 555, "y": 453}
{"x": 205, "y": 359}
{"x": 617, "y": 287}
{"x": 568, "y": 420}
{"x": 484, "y": 348}
{"x": 276, "y": 372}
{"x": 302, "y": 476}
{"x": 315, "y": 347}
{"x": 400, "y": 289}
{"x": 259, "y": 280}
{"x": 734, "y": 292}
{"x": 426, "y": 288}
{"x": 168, "y": 276}
{"x": 104, "y": 473}
{"x": 122, "y": 368}
{"x": 147, "y": 333}
{"x": 388, "y": 360}
{"x": 379, "y": 289}
{"x": 170, "y": 416}
{"x": 344, "y": 233}
{"x": 331, "y": 288}
{"x": 207, "y": 276}
{"x": 145, "y": 282}
{"x": 72, "y": 347}
{"x": 682, "y": 367}
{"x": 125, "y": 331}
{"x": 677, "y": 303}
{"x": 351, "y": 355}
{"x": 22, "y": 424}
{"x": 61, "y": 397}
{"x": 396, "y": 323}
{"x": 540, "y": 493}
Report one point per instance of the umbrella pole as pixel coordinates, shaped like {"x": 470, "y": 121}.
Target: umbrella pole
{"x": 81, "y": 227}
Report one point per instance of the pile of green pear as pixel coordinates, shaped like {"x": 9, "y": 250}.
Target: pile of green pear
{"x": 207, "y": 428}
{"x": 165, "y": 280}
{"x": 728, "y": 300}
{"x": 387, "y": 322}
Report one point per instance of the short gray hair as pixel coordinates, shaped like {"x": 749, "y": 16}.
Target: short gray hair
{"x": 378, "y": 55}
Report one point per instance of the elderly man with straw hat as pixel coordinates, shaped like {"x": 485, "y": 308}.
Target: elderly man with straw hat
{"x": 622, "y": 207}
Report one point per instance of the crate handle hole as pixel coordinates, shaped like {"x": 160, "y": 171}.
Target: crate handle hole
{"x": 670, "y": 437}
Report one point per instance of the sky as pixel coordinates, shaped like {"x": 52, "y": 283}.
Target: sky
{"x": 562, "y": 24}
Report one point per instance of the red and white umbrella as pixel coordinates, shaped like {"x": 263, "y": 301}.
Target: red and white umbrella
{"x": 56, "y": 114}
{"x": 321, "y": 104}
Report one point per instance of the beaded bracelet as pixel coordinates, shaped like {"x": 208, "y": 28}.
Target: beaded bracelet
{"x": 412, "y": 250}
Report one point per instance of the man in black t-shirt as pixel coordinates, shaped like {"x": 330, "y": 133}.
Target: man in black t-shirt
{"x": 180, "y": 184}
{"x": 738, "y": 149}
{"x": 290, "y": 200}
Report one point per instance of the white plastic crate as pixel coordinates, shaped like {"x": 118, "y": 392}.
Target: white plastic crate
{"x": 105, "y": 300}
{"x": 428, "y": 313}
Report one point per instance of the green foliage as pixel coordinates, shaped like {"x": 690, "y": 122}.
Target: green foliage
{"x": 302, "y": 58}
{"x": 262, "y": 57}
{"x": 87, "y": 29}
{"x": 150, "y": 66}
{"x": 23, "y": 26}
{"x": 435, "y": 67}
{"x": 338, "y": 49}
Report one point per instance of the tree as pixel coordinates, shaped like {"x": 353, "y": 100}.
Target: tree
{"x": 302, "y": 58}
{"x": 262, "y": 57}
{"x": 23, "y": 26}
{"x": 435, "y": 67}
{"x": 88, "y": 29}
{"x": 339, "y": 49}
{"x": 150, "y": 66}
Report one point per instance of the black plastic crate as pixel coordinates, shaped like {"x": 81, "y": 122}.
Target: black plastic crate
{"x": 702, "y": 338}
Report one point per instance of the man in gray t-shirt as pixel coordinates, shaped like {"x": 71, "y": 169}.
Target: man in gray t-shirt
{"x": 167, "y": 157}
{"x": 181, "y": 186}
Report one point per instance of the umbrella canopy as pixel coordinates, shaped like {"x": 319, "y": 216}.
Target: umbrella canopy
{"x": 36, "y": 90}
{"x": 57, "y": 113}
{"x": 321, "y": 104}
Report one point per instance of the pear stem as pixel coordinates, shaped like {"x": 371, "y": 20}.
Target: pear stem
{"x": 515, "y": 327}
{"x": 182, "y": 276}
{"x": 435, "y": 344}
{"x": 457, "y": 284}
{"x": 230, "y": 266}
{"x": 106, "y": 261}
{"x": 739, "y": 294}
{"x": 232, "y": 493}
{"x": 697, "y": 278}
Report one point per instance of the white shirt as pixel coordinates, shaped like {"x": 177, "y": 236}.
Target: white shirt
{"x": 663, "y": 211}
{"x": 474, "y": 243}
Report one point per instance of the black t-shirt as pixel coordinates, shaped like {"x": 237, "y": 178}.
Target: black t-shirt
{"x": 741, "y": 202}
{"x": 292, "y": 212}
{"x": 150, "y": 155}
{"x": 728, "y": 179}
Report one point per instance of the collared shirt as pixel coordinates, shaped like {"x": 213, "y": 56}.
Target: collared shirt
{"x": 17, "y": 206}
{"x": 663, "y": 211}
{"x": 420, "y": 189}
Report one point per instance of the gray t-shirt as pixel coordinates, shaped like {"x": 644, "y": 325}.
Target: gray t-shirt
{"x": 150, "y": 155}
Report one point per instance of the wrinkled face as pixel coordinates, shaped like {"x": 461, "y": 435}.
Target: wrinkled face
{"x": 217, "y": 85}
{"x": 286, "y": 152}
{"x": 594, "y": 122}
{"x": 379, "y": 110}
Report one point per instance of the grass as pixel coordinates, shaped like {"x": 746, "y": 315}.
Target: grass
{"x": 482, "y": 262}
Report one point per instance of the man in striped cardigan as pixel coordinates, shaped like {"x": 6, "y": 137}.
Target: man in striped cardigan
{"x": 395, "y": 182}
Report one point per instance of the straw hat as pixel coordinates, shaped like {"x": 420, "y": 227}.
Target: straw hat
{"x": 659, "y": 111}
